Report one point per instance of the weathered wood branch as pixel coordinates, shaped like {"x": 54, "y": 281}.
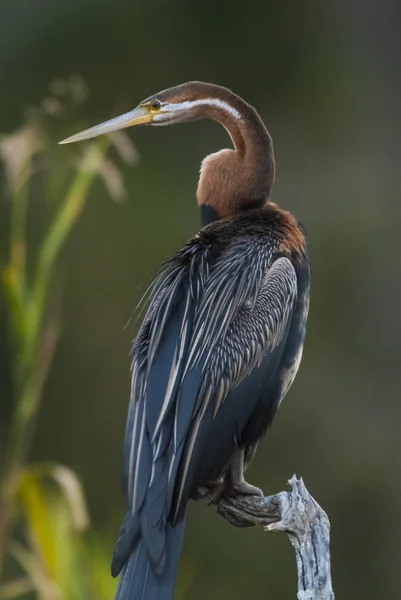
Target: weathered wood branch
{"x": 306, "y": 524}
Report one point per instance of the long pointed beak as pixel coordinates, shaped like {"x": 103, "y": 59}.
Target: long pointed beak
{"x": 139, "y": 116}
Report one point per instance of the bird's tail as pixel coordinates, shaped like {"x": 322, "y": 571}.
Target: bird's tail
{"x": 138, "y": 580}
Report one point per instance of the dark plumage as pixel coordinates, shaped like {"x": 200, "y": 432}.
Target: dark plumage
{"x": 219, "y": 346}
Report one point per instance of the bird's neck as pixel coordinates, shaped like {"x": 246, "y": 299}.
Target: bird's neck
{"x": 234, "y": 181}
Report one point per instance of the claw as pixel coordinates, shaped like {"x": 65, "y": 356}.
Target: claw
{"x": 243, "y": 488}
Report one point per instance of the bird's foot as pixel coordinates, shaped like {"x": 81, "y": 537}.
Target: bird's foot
{"x": 221, "y": 487}
{"x": 218, "y": 489}
{"x": 236, "y": 484}
{"x": 243, "y": 488}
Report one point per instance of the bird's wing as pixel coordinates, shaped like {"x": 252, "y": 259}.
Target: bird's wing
{"x": 239, "y": 336}
{"x": 159, "y": 355}
{"x": 210, "y": 326}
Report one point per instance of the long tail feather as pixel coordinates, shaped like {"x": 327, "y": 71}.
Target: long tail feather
{"x": 139, "y": 581}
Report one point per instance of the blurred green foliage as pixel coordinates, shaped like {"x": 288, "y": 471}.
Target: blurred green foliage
{"x": 325, "y": 78}
{"x": 54, "y": 516}
{"x": 57, "y": 557}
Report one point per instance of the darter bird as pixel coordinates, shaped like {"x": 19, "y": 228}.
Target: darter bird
{"x": 220, "y": 344}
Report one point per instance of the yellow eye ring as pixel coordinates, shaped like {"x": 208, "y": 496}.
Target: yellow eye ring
{"x": 155, "y": 104}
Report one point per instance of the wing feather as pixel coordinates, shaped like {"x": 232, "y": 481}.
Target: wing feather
{"x": 210, "y": 326}
{"x": 256, "y": 330}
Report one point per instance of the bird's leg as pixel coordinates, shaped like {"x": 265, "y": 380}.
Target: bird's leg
{"x": 237, "y": 486}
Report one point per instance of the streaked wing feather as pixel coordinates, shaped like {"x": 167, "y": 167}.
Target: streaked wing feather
{"x": 209, "y": 326}
{"x": 253, "y": 333}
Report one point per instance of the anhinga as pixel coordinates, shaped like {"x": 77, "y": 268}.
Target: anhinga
{"x": 220, "y": 344}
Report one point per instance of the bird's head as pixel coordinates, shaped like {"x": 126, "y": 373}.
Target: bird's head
{"x": 230, "y": 180}
{"x": 186, "y": 102}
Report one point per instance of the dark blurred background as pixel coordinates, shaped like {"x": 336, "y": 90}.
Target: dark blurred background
{"x": 325, "y": 77}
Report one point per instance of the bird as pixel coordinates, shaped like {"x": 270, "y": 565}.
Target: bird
{"x": 221, "y": 341}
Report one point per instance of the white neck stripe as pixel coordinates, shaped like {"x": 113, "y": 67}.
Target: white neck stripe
{"x": 188, "y": 104}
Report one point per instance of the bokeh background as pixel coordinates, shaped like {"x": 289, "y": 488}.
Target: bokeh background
{"x": 325, "y": 78}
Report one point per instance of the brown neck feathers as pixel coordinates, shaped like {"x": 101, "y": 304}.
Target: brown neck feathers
{"x": 232, "y": 181}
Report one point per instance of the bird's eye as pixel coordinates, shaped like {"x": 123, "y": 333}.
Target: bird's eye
{"x": 155, "y": 104}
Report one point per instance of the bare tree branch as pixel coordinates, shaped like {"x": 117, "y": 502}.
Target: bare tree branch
{"x": 306, "y": 524}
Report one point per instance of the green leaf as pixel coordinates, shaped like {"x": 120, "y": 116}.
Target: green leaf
{"x": 70, "y": 488}
{"x": 41, "y": 533}
{"x": 31, "y": 564}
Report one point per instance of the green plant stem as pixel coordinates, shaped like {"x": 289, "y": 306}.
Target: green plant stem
{"x": 31, "y": 365}
{"x": 61, "y": 228}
